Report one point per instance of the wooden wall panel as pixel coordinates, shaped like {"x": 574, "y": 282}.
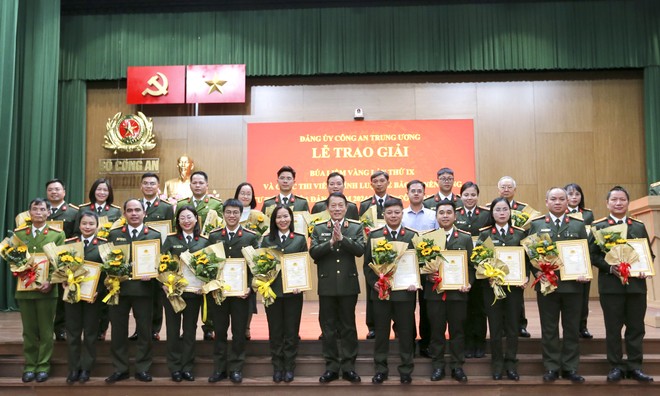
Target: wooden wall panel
{"x": 563, "y": 106}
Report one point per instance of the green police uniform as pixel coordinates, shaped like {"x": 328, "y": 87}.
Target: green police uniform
{"x": 82, "y": 318}
{"x": 432, "y": 201}
{"x": 449, "y": 309}
{"x": 400, "y": 308}
{"x": 38, "y": 309}
{"x": 295, "y": 202}
{"x": 565, "y": 301}
{"x": 137, "y": 295}
{"x": 621, "y": 304}
{"x": 112, "y": 212}
{"x": 351, "y": 210}
{"x": 204, "y": 204}
{"x": 338, "y": 288}
{"x": 588, "y": 218}
{"x": 234, "y": 309}
{"x": 284, "y": 314}
{"x": 181, "y": 353}
{"x": 503, "y": 315}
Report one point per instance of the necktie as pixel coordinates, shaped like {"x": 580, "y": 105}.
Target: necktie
{"x": 502, "y": 232}
{"x": 469, "y": 214}
{"x": 195, "y": 202}
{"x": 53, "y": 210}
{"x": 574, "y": 211}
{"x": 283, "y": 239}
{"x": 148, "y": 205}
{"x": 37, "y": 232}
{"x": 231, "y": 235}
{"x": 189, "y": 239}
{"x": 620, "y": 222}
{"x": 86, "y": 242}
{"x": 380, "y": 202}
{"x": 393, "y": 235}
{"x": 285, "y": 200}
{"x": 99, "y": 209}
{"x": 134, "y": 235}
{"x": 558, "y": 223}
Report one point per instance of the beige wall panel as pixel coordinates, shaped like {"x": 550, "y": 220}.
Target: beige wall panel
{"x": 504, "y": 131}
{"x": 619, "y": 128}
{"x": 445, "y": 101}
{"x": 276, "y": 103}
{"x": 563, "y": 106}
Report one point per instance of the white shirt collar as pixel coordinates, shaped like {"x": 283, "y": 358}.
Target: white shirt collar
{"x": 131, "y": 228}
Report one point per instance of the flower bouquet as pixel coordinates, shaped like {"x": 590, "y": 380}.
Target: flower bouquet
{"x": 368, "y": 220}
{"x": 257, "y": 222}
{"x": 618, "y": 253}
{"x": 21, "y": 264}
{"x": 489, "y": 267}
{"x": 173, "y": 282}
{"x": 315, "y": 219}
{"x": 116, "y": 267}
{"x": 432, "y": 261}
{"x": 265, "y": 265}
{"x": 23, "y": 219}
{"x": 213, "y": 221}
{"x": 104, "y": 228}
{"x": 206, "y": 264}
{"x": 385, "y": 255}
{"x": 542, "y": 252}
{"x": 523, "y": 218}
{"x": 67, "y": 260}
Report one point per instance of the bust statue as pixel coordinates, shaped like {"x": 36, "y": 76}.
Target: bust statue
{"x": 179, "y": 187}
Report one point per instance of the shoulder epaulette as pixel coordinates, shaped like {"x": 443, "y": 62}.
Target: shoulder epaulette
{"x": 20, "y": 228}
{"x": 54, "y": 229}
{"x": 250, "y": 231}
{"x": 164, "y": 202}
{"x": 101, "y": 239}
{"x": 587, "y": 209}
{"x": 73, "y": 206}
{"x": 115, "y": 206}
{"x": 411, "y": 229}
{"x": 302, "y": 235}
{"x": 484, "y": 208}
{"x": 182, "y": 199}
{"x": 637, "y": 220}
{"x": 577, "y": 219}
{"x": 429, "y": 197}
{"x": 70, "y": 239}
{"x": 484, "y": 228}
{"x": 464, "y": 232}
{"x": 601, "y": 219}
{"x": 459, "y": 208}
{"x": 376, "y": 229}
{"x": 85, "y": 204}
{"x": 367, "y": 199}
{"x": 354, "y": 221}
{"x": 299, "y": 197}
{"x": 518, "y": 228}
{"x": 538, "y": 217}
{"x": 172, "y": 234}
{"x": 216, "y": 198}
{"x": 522, "y": 203}
{"x": 202, "y": 236}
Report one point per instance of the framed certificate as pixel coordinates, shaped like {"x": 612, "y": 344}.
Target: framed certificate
{"x": 88, "y": 287}
{"x": 454, "y": 271}
{"x": 194, "y": 283}
{"x": 234, "y": 274}
{"x": 296, "y": 272}
{"x": 41, "y": 269}
{"x": 645, "y": 263}
{"x": 514, "y": 258}
{"x": 574, "y": 254}
{"x": 407, "y": 271}
{"x": 146, "y": 255}
{"x": 59, "y": 224}
{"x": 299, "y": 222}
{"x": 163, "y": 226}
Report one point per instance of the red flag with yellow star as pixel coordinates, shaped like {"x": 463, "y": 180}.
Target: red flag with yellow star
{"x": 215, "y": 84}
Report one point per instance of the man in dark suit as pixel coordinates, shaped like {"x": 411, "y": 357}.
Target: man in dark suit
{"x": 286, "y": 178}
{"x": 566, "y": 300}
{"x": 449, "y": 308}
{"x": 622, "y": 304}
{"x": 335, "y": 184}
{"x": 400, "y": 307}
{"x": 135, "y": 294}
{"x": 65, "y": 212}
{"x": 335, "y": 245}
{"x": 445, "y": 186}
{"x": 234, "y": 309}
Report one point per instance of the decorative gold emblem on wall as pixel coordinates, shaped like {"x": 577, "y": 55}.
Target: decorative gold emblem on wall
{"x": 129, "y": 133}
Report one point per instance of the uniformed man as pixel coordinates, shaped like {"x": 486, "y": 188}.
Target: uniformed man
{"x": 380, "y": 180}
{"x": 38, "y": 306}
{"x": 399, "y": 308}
{"x": 233, "y": 309}
{"x": 286, "y": 178}
{"x": 623, "y": 305}
{"x": 335, "y": 184}
{"x": 566, "y": 300}
{"x": 335, "y": 245}
{"x": 155, "y": 210}
{"x": 449, "y": 308}
{"x": 65, "y": 212}
{"x": 135, "y": 294}
{"x": 445, "y": 186}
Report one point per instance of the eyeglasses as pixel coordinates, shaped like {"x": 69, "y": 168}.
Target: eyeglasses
{"x": 287, "y": 178}
{"x": 446, "y": 179}
{"x": 506, "y": 188}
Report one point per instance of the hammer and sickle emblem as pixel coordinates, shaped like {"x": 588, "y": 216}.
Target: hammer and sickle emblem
{"x": 154, "y": 81}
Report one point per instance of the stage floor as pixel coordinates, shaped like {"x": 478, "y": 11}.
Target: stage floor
{"x": 11, "y": 329}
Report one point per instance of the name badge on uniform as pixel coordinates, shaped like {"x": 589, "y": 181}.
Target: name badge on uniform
{"x": 545, "y": 230}
{"x": 177, "y": 247}
{"x": 326, "y": 234}
{"x": 121, "y": 239}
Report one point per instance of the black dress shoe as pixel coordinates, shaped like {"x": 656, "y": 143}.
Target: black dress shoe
{"x": 371, "y": 335}
{"x": 512, "y": 375}
{"x": 41, "y": 376}
{"x": 288, "y": 376}
{"x": 176, "y": 376}
{"x": 351, "y": 376}
{"x": 550, "y": 376}
{"x": 133, "y": 337}
{"x": 469, "y": 353}
{"x": 60, "y": 336}
{"x": 379, "y": 378}
{"x": 424, "y": 352}
{"x": 208, "y": 336}
{"x": 524, "y": 333}
{"x": 636, "y": 374}
{"x": 236, "y": 377}
{"x": 278, "y": 376}
{"x": 479, "y": 353}
{"x": 72, "y": 377}
{"x": 406, "y": 379}
{"x": 84, "y": 376}
{"x": 615, "y": 375}
{"x": 459, "y": 375}
{"x": 584, "y": 333}
{"x": 155, "y": 336}
{"x": 572, "y": 376}
{"x": 217, "y": 376}
{"x": 116, "y": 376}
{"x": 437, "y": 374}
{"x": 188, "y": 376}
{"x": 143, "y": 376}
{"x": 328, "y": 376}
{"x": 28, "y": 376}
{"x": 497, "y": 376}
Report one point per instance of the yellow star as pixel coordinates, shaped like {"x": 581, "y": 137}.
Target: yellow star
{"x": 215, "y": 84}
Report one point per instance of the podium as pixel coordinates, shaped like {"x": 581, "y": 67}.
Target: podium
{"x": 647, "y": 209}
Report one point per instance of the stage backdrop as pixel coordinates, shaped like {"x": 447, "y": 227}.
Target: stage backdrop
{"x": 406, "y": 149}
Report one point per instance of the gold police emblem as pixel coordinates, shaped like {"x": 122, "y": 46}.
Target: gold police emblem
{"x": 129, "y": 133}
